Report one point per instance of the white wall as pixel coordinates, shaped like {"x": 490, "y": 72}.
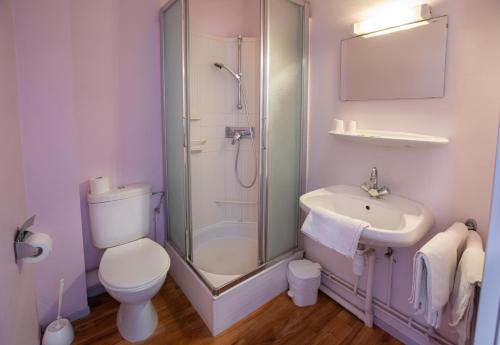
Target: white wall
{"x": 214, "y": 26}
{"x": 213, "y": 99}
{"x": 453, "y": 181}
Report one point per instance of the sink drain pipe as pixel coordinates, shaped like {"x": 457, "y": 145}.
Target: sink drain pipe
{"x": 365, "y": 257}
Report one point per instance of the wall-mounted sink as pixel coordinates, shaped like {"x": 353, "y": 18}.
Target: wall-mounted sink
{"x": 394, "y": 221}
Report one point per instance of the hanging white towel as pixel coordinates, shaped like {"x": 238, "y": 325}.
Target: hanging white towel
{"x": 469, "y": 274}
{"x": 434, "y": 268}
{"x": 333, "y": 230}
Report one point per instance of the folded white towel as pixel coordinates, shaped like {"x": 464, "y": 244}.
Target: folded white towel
{"x": 434, "y": 268}
{"x": 469, "y": 273}
{"x": 333, "y": 230}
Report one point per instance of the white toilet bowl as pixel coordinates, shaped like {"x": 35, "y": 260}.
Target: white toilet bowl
{"x": 133, "y": 273}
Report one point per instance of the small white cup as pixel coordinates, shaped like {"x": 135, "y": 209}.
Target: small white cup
{"x": 351, "y": 127}
{"x": 338, "y": 125}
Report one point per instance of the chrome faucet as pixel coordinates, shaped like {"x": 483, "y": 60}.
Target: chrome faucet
{"x": 236, "y": 137}
{"x": 371, "y": 186}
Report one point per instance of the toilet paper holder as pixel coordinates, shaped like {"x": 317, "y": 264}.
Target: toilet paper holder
{"x": 21, "y": 248}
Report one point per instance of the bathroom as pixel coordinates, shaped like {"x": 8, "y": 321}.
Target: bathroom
{"x": 89, "y": 89}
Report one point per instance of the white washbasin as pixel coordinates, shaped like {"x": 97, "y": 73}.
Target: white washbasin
{"x": 394, "y": 221}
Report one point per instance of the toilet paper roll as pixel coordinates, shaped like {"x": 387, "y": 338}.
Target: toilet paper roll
{"x": 99, "y": 185}
{"x": 41, "y": 241}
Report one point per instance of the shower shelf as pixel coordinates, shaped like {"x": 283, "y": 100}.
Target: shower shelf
{"x": 195, "y": 117}
{"x": 196, "y": 145}
{"x": 237, "y": 202}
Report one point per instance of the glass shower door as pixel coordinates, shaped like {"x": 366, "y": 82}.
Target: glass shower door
{"x": 284, "y": 111}
{"x": 227, "y": 226}
{"x": 175, "y": 130}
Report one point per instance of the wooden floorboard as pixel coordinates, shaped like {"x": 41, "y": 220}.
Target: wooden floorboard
{"x": 277, "y": 322}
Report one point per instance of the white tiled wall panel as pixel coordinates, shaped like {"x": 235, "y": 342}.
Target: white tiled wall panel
{"x": 213, "y": 99}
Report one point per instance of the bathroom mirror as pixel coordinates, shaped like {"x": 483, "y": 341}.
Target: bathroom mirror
{"x": 403, "y": 64}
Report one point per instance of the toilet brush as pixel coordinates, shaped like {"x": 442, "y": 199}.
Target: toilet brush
{"x": 59, "y": 331}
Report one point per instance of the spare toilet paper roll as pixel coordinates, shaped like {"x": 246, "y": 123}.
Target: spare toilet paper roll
{"x": 99, "y": 185}
{"x": 41, "y": 241}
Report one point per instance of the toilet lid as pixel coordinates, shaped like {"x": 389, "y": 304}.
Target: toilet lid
{"x": 304, "y": 269}
{"x": 133, "y": 264}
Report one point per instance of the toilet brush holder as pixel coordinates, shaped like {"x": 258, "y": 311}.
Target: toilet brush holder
{"x": 59, "y": 331}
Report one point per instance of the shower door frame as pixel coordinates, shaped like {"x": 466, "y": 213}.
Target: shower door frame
{"x": 263, "y": 173}
{"x": 186, "y": 118}
{"x": 264, "y": 139}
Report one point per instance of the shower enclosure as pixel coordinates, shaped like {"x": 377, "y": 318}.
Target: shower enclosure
{"x": 234, "y": 107}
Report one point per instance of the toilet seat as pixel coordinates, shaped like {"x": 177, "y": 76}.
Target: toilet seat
{"x": 133, "y": 266}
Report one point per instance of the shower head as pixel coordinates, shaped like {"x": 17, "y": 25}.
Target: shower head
{"x": 220, "y": 65}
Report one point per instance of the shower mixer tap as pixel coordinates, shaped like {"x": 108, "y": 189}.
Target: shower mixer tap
{"x": 238, "y": 133}
{"x": 236, "y": 137}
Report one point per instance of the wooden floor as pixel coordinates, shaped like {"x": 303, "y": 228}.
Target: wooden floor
{"x": 277, "y": 322}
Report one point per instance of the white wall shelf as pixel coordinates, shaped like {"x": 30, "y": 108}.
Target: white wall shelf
{"x": 391, "y": 138}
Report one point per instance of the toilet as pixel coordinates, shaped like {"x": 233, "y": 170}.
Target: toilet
{"x": 133, "y": 267}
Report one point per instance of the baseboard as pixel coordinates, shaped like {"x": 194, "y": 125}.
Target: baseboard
{"x": 79, "y": 314}
{"x": 396, "y": 333}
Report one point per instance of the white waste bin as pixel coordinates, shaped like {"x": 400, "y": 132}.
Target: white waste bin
{"x": 304, "y": 278}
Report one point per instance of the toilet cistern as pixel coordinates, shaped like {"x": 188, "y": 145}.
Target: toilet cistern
{"x": 371, "y": 186}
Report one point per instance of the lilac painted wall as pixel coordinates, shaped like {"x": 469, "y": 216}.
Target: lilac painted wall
{"x": 49, "y": 148}
{"x": 117, "y": 89}
{"x": 226, "y": 18}
{"x": 453, "y": 181}
{"x": 18, "y": 319}
{"x": 117, "y": 98}
{"x": 90, "y": 104}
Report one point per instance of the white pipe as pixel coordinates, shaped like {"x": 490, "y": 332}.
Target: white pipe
{"x": 356, "y": 283}
{"x": 370, "y": 253}
{"x": 380, "y": 306}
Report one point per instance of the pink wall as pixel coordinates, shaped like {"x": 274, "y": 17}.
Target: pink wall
{"x": 18, "y": 320}
{"x": 453, "y": 181}
{"x": 90, "y": 104}
{"x": 117, "y": 98}
{"x": 45, "y": 79}
{"x": 226, "y": 18}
